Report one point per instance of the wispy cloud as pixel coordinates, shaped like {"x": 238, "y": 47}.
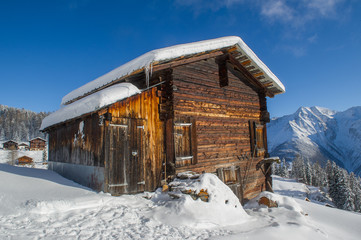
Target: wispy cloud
{"x": 277, "y": 10}
{"x": 324, "y": 7}
{"x": 295, "y": 19}
{"x": 299, "y": 13}
{"x": 294, "y": 12}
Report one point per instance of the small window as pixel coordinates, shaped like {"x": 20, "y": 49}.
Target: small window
{"x": 184, "y": 141}
{"x": 258, "y": 139}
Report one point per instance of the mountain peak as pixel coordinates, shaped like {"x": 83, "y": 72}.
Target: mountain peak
{"x": 319, "y": 134}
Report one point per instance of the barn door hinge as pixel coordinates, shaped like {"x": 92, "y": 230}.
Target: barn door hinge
{"x": 118, "y": 185}
{"x": 118, "y": 125}
{"x": 183, "y": 124}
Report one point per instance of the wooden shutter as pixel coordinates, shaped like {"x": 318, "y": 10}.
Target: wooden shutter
{"x": 257, "y": 138}
{"x": 184, "y": 143}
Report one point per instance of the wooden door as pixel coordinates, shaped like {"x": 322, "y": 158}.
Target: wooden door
{"x": 231, "y": 176}
{"x": 125, "y": 150}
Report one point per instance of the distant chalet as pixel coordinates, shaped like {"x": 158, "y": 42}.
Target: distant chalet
{"x": 194, "y": 107}
{"x": 24, "y": 160}
{"x": 37, "y": 144}
{"x": 24, "y": 146}
{"x": 10, "y": 145}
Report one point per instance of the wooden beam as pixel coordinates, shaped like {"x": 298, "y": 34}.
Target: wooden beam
{"x": 249, "y": 76}
{"x": 160, "y": 66}
{"x": 258, "y": 74}
{"x": 246, "y": 63}
{"x": 222, "y": 70}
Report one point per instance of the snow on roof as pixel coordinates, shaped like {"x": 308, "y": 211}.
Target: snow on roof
{"x": 38, "y": 138}
{"x": 90, "y": 103}
{"x": 148, "y": 59}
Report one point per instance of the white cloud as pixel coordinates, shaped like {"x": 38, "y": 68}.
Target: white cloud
{"x": 299, "y": 13}
{"x": 324, "y": 7}
{"x": 312, "y": 39}
{"x": 277, "y": 10}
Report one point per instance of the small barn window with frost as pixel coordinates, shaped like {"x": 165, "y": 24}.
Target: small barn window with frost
{"x": 258, "y": 139}
{"x": 184, "y": 143}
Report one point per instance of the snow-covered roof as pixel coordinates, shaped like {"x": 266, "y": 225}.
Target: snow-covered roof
{"x": 152, "y": 58}
{"x": 38, "y": 138}
{"x": 90, "y": 103}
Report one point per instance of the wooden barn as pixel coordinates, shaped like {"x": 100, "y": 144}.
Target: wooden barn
{"x": 37, "y": 144}
{"x": 197, "y": 107}
{"x": 10, "y": 145}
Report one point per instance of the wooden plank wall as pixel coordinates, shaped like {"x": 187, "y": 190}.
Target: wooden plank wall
{"x": 69, "y": 145}
{"x": 145, "y": 106}
{"x": 221, "y": 116}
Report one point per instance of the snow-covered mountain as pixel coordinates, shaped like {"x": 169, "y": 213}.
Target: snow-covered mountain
{"x": 318, "y": 134}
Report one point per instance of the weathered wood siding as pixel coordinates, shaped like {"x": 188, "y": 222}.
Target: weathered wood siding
{"x": 221, "y": 117}
{"x": 144, "y": 107}
{"x": 37, "y": 144}
{"x": 78, "y": 142}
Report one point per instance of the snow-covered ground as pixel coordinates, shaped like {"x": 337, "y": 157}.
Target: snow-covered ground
{"x": 10, "y": 156}
{"x": 40, "y": 204}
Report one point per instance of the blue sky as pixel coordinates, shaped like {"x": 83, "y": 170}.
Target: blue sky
{"x": 49, "y": 48}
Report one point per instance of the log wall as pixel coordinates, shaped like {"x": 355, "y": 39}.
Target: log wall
{"x": 221, "y": 116}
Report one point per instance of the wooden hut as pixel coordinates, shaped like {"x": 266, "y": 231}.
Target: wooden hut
{"x": 37, "y": 144}
{"x": 24, "y": 146}
{"x": 24, "y": 160}
{"x": 194, "y": 107}
{"x": 10, "y": 145}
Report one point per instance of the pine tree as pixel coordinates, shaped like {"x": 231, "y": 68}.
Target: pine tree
{"x": 298, "y": 169}
{"x": 308, "y": 172}
{"x": 339, "y": 189}
{"x": 355, "y": 187}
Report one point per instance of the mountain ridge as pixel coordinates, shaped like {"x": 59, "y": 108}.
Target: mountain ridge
{"x": 318, "y": 134}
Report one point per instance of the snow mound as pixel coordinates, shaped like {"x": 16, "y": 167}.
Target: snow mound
{"x": 223, "y": 207}
{"x": 91, "y": 103}
{"x": 282, "y": 201}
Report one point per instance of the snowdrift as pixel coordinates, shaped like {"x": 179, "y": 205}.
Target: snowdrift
{"x": 222, "y": 209}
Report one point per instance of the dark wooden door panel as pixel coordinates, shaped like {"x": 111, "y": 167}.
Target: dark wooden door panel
{"x": 126, "y": 153}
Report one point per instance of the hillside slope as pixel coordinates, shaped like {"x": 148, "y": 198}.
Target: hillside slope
{"x": 19, "y": 124}
{"x": 318, "y": 134}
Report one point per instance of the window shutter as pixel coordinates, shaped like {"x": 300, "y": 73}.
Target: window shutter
{"x": 184, "y": 143}
{"x": 257, "y": 138}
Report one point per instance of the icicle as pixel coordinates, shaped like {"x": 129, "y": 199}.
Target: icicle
{"x": 148, "y": 73}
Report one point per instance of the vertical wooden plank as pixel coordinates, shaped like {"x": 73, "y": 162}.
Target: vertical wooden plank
{"x": 252, "y": 136}
{"x": 169, "y": 146}
{"x": 194, "y": 141}
{"x": 140, "y": 147}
